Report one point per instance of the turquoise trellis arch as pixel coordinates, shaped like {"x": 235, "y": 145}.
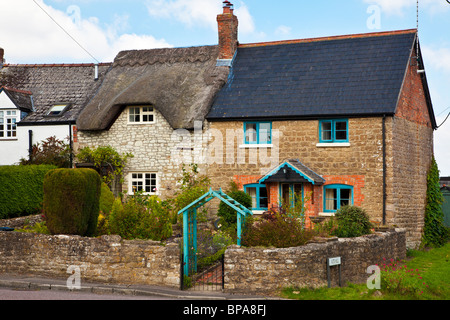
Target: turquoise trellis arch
{"x": 190, "y": 225}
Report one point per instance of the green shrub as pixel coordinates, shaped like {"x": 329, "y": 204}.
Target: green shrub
{"x": 71, "y": 201}
{"x": 51, "y": 151}
{"x": 227, "y": 214}
{"x": 21, "y": 190}
{"x": 278, "y": 230}
{"x": 140, "y": 218}
{"x": 351, "y": 221}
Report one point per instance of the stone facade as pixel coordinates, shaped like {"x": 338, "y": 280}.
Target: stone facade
{"x": 268, "y": 270}
{"x": 156, "y": 147}
{"x": 108, "y": 259}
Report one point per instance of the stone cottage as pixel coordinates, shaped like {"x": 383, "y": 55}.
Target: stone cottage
{"x": 339, "y": 120}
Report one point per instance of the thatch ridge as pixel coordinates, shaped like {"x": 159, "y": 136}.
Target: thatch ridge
{"x": 180, "y": 83}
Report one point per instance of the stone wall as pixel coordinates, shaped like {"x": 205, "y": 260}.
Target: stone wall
{"x": 108, "y": 259}
{"x": 157, "y": 148}
{"x": 267, "y": 270}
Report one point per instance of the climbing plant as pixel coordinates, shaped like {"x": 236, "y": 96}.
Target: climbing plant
{"x": 105, "y": 157}
{"x": 435, "y": 233}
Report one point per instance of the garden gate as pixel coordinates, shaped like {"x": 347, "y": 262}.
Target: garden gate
{"x": 189, "y": 259}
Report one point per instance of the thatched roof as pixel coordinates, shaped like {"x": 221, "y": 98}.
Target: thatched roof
{"x": 180, "y": 83}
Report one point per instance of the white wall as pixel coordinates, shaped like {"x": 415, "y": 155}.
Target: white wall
{"x": 12, "y": 151}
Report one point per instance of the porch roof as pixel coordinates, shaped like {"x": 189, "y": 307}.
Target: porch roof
{"x": 295, "y": 172}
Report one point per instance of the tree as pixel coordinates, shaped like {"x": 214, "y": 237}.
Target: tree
{"x": 435, "y": 233}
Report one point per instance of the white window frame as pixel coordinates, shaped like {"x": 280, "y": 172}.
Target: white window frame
{"x": 142, "y": 114}
{"x": 140, "y": 179}
{"x": 14, "y": 117}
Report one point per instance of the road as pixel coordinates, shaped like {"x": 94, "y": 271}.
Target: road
{"x": 15, "y": 294}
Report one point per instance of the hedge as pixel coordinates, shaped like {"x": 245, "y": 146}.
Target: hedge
{"x": 21, "y": 190}
{"x": 71, "y": 201}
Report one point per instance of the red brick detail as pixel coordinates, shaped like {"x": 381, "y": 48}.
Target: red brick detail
{"x": 356, "y": 181}
{"x": 228, "y": 33}
{"x": 412, "y": 105}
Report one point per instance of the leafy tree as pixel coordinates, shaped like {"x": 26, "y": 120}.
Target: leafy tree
{"x": 435, "y": 233}
{"x": 51, "y": 151}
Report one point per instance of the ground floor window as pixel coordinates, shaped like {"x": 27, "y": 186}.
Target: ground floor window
{"x": 258, "y": 193}
{"x": 337, "y": 196}
{"x": 145, "y": 182}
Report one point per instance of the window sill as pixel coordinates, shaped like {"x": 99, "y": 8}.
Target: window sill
{"x": 255, "y": 146}
{"x": 326, "y": 214}
{"x": 12, "y": 139}
{"x": 333, "y": 145}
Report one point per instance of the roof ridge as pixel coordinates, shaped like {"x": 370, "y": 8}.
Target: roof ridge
{"x": 48, "y": 65}
{"x": 16, "y": 90}
{"x": 330, "y": 38}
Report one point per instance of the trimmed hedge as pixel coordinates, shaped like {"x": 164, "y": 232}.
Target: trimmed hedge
{"x": 71, "y": 201}
{"x": 21, "y": 190}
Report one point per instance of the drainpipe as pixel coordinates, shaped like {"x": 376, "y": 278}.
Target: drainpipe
{"x": 384, "y": 170}
{"x": 30, "y": 145}
{"x": 70, "y": 145}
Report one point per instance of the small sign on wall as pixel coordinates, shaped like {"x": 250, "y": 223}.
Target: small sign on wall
{"x": 331, "y": 262}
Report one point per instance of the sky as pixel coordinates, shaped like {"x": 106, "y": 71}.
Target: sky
{"x": 89, "y": 31}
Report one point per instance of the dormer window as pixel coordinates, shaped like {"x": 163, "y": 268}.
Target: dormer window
{"x": 57, "y": 110}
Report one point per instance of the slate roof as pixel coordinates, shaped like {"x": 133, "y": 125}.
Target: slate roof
{"x": 296, "y": 172}
{"x": 72, "y": 84}
{"x": 358, "y": 75}
{"x": 23, "y": 100}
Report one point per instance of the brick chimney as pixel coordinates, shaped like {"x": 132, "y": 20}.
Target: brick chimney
{"x": 2, "y": 55}
{"x": 228, "y": 32}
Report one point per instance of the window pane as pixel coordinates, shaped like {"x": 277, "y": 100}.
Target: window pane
{"x": 341, "y": 130}
{"x": 346, "y": 195}
{"x": 331, "y": 199}
{"x": 263, "y": 201}
{"x": 135, "y": 115}
{"x": 326, "y": 131}
{"x": 250, "y": 133}
{"x": 252, "y": 193}
{"x": 265, "y": 135}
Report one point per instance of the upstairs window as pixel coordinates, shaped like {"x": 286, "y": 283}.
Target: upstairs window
{"x": 258, "y": 132}
{"x": 333, "y": 131}
{"x": 8, "y": 124}
{"x": 141, "y": 115}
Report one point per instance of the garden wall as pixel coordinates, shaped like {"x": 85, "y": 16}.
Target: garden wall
{"x": 267, "y": 270}
{"x": 108, "y": 259}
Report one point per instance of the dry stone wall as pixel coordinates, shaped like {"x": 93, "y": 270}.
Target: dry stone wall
{"x": 108, "y": 259}
{"x": 268, "y": 270}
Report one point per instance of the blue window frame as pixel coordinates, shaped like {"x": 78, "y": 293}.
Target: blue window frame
{"x": 258, "y": 193}
{"x": 333, "y": 131}
{"x": 257, "y": 132}
{"x": 337, "y": 196}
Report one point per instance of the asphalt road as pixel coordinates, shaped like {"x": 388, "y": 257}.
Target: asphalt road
{"x": 15, "y": 294}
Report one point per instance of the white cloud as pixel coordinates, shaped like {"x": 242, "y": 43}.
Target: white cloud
{"x": 398, "y": 7}
{"x": 283, "y": 31}
{"x": 33, "y": 37}
{"x": 438, "y": 59}
{"x": 201, "y": 13}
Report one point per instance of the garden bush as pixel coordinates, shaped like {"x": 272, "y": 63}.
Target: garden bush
{"x": 21, "y": 191}
{"x": 351, "y": 221}
{"x": 278, "y": 230}
{"x": 140, "y": 217}
{"x": 71, "y": 201}
{"x": 227, "y": 214}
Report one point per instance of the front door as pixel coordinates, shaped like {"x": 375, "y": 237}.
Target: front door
{"x": 290, "y": 192}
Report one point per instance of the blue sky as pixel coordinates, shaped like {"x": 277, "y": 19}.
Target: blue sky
{"x": 104, "y": 27}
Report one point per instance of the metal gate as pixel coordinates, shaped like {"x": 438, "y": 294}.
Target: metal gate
{"x": 190, "y": 276}
{"x": 208, "y": 279}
